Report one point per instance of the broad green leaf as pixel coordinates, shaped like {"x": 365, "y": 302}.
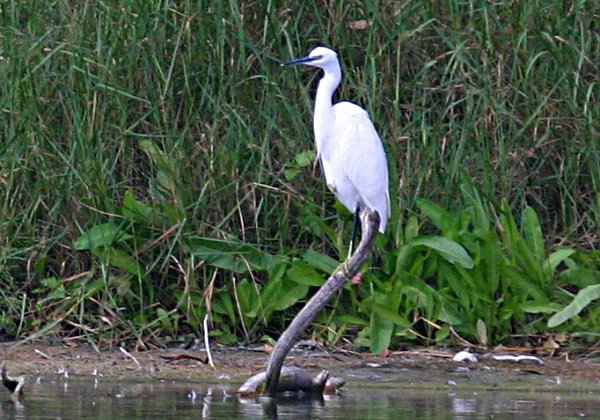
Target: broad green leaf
{"x": 223, "y": 245}
{"x": 352, "y": 320}
{"x": 430, "y": 266}
{"x": 451, "y": 314}
{"x": 443, "y": 219}
{"x": 381, "y": 332}
{"x": 290, "y": 296}
{"x": 460, "y": 289}
{"x": 508, "y": 226}
{"x": 471, "y": 196}
{"x": 290, "y": 174}
{"x": 528, "y": 260}
{"x": 262, "y": 261}
{"x": 120, "y": 258}
{"x": 581, "y": 277}
{"x": 523, "y": 285}
{"x": 224, "y": 305}
{"x": 395, "y": 297}
{"x": 135, "y": 210}
{"x": 305, "y": 158}
{"x": 555, "y": 259}
{"x": 232, "y": 254}
{"x": 412, "y": 228}
{"x": 418, "y": 262}
{"x": 533, "y": 233}
{"x": 279, "y": 268}
{"x": 164, "y": 318}
{"x": 404, "y": 260}
{"x": 442, "y": 334}
{"x": 581, "y": 300}
{"x": 229, "y": 262}
{"x": 492, "y": 261}
{"x": 451, "y": 251}
{"x": 474, "y": 283}
{"x": 225, "y": 337}
{"x": 388, "y": 314}
{"x": 261, "y": 300}
{"x": 247, "y": 296}
{"x": 321, "y": 262}
{"x": 101, "y": 235}
{"x": 302, "y": 273}
{"x": 418, "y": 297}
{"x": 269, "y": 292}
{"x": 408, "y": 281}
{"x": 539, "y": 307}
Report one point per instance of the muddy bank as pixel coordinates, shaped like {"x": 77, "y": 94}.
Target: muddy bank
{"x": 424, "y": 368}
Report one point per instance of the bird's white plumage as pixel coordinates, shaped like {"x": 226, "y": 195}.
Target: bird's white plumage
{"x": 350, "y": 150}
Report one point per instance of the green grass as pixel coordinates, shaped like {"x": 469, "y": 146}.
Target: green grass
{"x": 506, "y": 91}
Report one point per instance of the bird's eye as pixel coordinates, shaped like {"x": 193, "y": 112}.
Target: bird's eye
{"x": 316, "y": 57}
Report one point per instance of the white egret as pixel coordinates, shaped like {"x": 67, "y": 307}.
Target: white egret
{"x": 351, "y": 153}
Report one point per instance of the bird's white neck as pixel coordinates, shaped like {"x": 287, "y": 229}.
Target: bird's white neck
{"x": 324, "y": 103}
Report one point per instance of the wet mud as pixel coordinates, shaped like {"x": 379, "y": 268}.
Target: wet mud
{"x": 417, "y": 369}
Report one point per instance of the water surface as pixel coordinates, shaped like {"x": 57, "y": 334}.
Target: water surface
{"x": 108, "y": 398}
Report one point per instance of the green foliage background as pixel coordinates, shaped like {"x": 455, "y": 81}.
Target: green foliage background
{"x": 156, "y": 165}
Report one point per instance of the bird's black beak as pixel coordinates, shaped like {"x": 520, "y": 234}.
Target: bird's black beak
{"x": 302, "y": 60}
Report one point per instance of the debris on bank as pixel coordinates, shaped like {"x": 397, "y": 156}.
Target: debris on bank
{"x": 466, "y": 356}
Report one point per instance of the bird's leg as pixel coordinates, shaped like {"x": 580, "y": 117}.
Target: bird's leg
{"x": 354, "y": 230}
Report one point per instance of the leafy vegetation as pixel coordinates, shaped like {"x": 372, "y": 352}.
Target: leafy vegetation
{"x": 157, "y": 166}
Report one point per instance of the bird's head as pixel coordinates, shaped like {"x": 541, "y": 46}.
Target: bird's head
{"x": 321, "y": 57}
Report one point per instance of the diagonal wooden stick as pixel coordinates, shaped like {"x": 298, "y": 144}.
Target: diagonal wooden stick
{"x": 346, "y": 271}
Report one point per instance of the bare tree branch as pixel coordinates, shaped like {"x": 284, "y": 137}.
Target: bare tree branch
{"x": 346, "y": 271}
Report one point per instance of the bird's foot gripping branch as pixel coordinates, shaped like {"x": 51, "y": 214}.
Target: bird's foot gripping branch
{"x": 370, "y": 225}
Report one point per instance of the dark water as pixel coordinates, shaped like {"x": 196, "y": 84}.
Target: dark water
{"x": 102, "y": 398}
